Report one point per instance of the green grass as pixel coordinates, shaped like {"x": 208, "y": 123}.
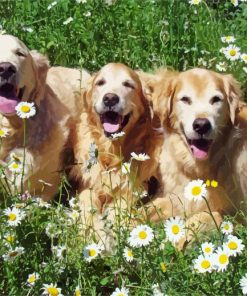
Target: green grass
{"x": 143, "y": 34}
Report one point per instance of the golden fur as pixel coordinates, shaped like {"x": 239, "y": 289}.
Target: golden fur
{"x": 226, "y": 161}
{"x": 139, "y": 137}
{"x": 54, "y": 92}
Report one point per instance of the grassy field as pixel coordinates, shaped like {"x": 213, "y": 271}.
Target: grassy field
{"x": 144, "y": 34}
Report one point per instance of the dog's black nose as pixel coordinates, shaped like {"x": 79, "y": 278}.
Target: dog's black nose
{"x": 7, "y": 70}
{"x": 110, "y": 100}
{"x": 201, "y": 125}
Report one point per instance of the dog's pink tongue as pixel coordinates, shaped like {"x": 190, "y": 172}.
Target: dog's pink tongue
{"x": 111, "y": 127}
{"x": 198, "y": 153}
{"x": 7, "y": 105}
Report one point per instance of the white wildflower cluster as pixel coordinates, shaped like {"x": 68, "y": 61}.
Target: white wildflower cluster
{"x": 93, "y": 156}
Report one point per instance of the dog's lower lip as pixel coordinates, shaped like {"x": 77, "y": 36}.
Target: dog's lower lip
{"x": 200, "y": 147}
{"x": 113, "y": 122}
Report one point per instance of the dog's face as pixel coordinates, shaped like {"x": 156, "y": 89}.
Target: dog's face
{"x": 201, "y": 104}
{"x": 116, "y": 97}
{"x": 22, "y": 74}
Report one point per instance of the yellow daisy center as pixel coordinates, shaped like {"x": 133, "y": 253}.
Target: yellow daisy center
{"x": 196, "y": 190}
{"x": 120, "y": 294}
{"x": 208, "y": 183}
{"x": 196, "y": 2}
{"x": 10, "y": 238}
{"x": 207, "y": 250}
{"x": 232, "y": 52}
{"x": 92, "y": 253}
{"x": 163, "y": 266}
{"x": 32, "y": 278}
{"x": 15, "y": 165}
{"x": 223, "y": 259}
{"x": 129, "y": 253}
{"x": 205, "y": 264}
{"x": 244, "y": 58}
{"x": 232, "y": 245}
{"x": 142, "y": 234}
{"x": 13, "y": 254}
{"x": 12, "y": 217}
{"x": 25, "y": 109}
{"x": 77, "y": 293}
{"x": 2, "y": 133}
{"x": 226, "y": 227}
{"x": 175, "y": 229}
{"x": 228, "y": 38}
{"x": 53, "y": 291}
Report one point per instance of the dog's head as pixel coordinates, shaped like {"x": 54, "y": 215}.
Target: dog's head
{"x": 116, "y": 98}
{"x": 22, "y": 74}
{"x": 199, "y": 104}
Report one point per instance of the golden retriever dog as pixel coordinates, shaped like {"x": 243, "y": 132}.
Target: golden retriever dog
{"x": 25, "y": 77}
{"x": 205, "y": 129}
{"x": 114, "y": 104}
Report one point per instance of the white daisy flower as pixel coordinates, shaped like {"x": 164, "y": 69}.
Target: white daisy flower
{"x": 120, "y": 292}
{"x": 74, "y": 215}
{"x": 203, "y": 264}
{"x": 245, "y": 69}
{"x": 221, "y": 259}
{"x": 10, "y": 238}
{"x": 25, "y": 110}
{"x": 195, "y": 2}
{"x": 234, "y": 245}
{"x": 14, "y": 216}
{"x": 81, "y": 1}
{"x": 226, "y": 227}
{"x": 77, "y": 291}
{"x": 139, "y": 157}
{"x": 91, "y": 251}
{"x": 27, "y": 29}
{"x": 243, "y": 284}
{"x": 12, "y": 254}
{"x": 228, "y": 39}
{"x": 125, "y": 168}
{"x": 41, "y": 203}
{"x": 52, "y": 5}
{"x": 51, "y": 290}
{"x": 32, "y": 278}
{"x": 3, "y": 133}
{"x": 142, "y": 235}
{"x": 118, "y": 135}
{"x": 175, "y": 229}
{"x": 207, "y": 248}
{"x": 128, "y": 254}
{"x": 244, "y": 57}
{"x": 69, "y": 20}
{"x": 232, "y": 52}
{"x": 234, "y": 2}
{"x": 15, "y": 167}
{"x": 73, "y": 202}
{"x": 59, "y": 251}
{"x": 196, "y": 190}
{"x": 157, "y": 291}
{"x": 87, "y": 14}
{"x": 221, "y": 66}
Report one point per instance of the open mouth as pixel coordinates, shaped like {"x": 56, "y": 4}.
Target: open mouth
{"x": 200, "y": 147}
{"x": 113, "y": 122}
{"x": 10, "y": 96}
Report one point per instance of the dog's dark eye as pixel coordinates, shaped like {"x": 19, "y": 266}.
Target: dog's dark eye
{"x": 186, "y": 100}
{"x": 215, "y": 99}
{"x": 128, "y": 84}
{"x": 100, "y": 82}
{"x": 20, "y": 54}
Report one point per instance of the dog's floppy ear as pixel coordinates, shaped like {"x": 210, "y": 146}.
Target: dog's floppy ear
{"x": 41, "y": 67}
{"x": 234, "y": 94}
